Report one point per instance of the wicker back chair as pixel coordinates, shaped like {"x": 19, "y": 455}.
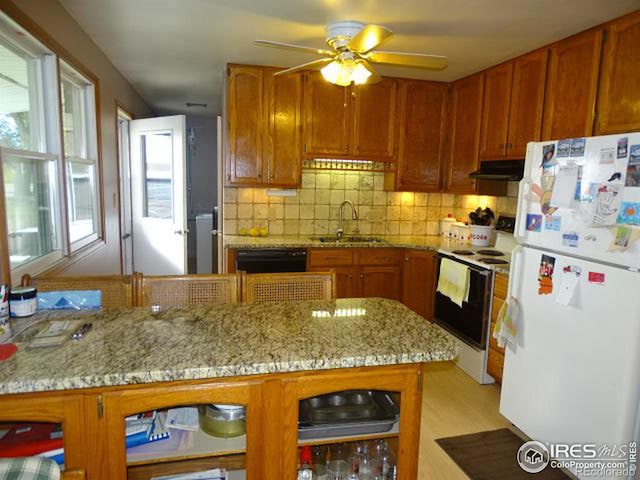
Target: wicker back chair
{"x": 168, "y": 291}
{"x": 116, "y": 289}
{"x": 267, "y": 287}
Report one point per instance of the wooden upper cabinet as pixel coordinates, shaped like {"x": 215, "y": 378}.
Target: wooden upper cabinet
{"x": 327, "y": 126}
{"x": 264, "y": 127}
{"x": 465, "y": 111}
{"x": 283, "y": 145}
{"x": 572, "y": 81}
{"x": 619, "y": 91}
{"x": 423, "y": 108}
{"x": 245, "y": 125}
{"x": 375, "y": 119}
{"x": 495, "y": 111}
{"x": 527, "y": 99}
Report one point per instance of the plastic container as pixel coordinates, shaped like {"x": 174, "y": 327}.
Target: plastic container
{"x": 224, "y": 421}
{"x": 23, "y": 302}
{"x": 445, "y": 226}
{"x": 481, "y": 235}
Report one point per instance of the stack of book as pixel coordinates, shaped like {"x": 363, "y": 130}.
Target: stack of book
{"x": 32, "y": 440}
{"x": 215, "y": 474}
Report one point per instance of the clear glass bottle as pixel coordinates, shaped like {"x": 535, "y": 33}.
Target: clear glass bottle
{"x": 305, "y": 470}
{"x": 337, "y": 466}
{"x": 320, "y": 462}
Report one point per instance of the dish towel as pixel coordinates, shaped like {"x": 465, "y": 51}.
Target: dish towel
{"x": 454, "y": 281}
{"x": 506, "y": 326}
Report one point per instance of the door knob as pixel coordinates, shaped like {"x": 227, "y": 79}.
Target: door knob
{"x": 181, "y": 232}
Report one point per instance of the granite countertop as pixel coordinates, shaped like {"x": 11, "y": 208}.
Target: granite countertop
{"x": 135, "y": 346}
{"x": 420, "y": 242}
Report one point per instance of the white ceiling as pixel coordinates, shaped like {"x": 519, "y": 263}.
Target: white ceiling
{"x": 175, "y": 51}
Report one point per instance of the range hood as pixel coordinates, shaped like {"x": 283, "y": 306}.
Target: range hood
{"x": 507, "y": 170}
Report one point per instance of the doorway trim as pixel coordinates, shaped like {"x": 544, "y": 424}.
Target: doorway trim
{"x": 124, "y": 201}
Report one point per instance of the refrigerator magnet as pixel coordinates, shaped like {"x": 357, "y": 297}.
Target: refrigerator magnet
{"x": 570, "y": 239}
{"x": 577, "y": 147}
{"x": 552, "y": 223}
{"x": 549, "y": 156}
{"x": 633, "y": 168}
{"x": 545, "y": 274}
{"x": 607, "y": 155}
{"x": 623, "y": 238}
{"x": 623, "y": 147}
{"x": 597, "y": 278}
{"x": 534, "y": 222}
{"x": 564, "y": 148}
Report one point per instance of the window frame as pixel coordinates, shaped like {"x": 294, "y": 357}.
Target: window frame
{"x": 90, "y": 150}
{"x": 17, "y": 30}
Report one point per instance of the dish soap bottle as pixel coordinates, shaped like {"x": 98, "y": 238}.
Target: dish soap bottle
{"x": 305, "y": 471}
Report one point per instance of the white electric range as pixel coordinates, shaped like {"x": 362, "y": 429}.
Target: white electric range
{"x": 470, "y": 322}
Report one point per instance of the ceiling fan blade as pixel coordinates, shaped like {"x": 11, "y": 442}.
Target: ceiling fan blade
{"x": 288, "y": 46}
{"x": 432, "y": 62}
{"x": 305, "y": 66}
{"x": 369, "y": 37}
{"x": 374, "y": 78}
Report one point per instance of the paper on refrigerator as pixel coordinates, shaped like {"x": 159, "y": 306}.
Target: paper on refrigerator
{"x": 564, "y": 186}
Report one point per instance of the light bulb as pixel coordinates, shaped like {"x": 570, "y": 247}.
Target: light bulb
{"x": 360, "y": 74}
{"x": 331, "y": 72}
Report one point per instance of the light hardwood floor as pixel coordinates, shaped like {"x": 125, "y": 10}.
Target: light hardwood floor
{"x": 453, "y": 404}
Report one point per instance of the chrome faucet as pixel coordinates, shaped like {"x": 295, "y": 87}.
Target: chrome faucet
{"x": 354, "y": 216}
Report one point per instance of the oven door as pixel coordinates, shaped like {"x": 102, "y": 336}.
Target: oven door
{"x": 468, "y": 323}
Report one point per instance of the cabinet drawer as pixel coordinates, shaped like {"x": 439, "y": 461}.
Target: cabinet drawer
{"x": 330, "y": 257}
{"x": 500, "y": 286}
{"x": 495, "y": 365}
{"x": 380, "y": 256}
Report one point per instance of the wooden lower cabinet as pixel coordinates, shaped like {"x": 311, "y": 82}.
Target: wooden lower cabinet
{"x": 360, "y": 272}
{"x": 418, "y": 281}
{"x": 94, "y": 422}
{"x": 495, "y": 362}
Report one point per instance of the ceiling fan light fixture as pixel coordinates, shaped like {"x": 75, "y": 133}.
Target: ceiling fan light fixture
{"x": 360, "y": 74}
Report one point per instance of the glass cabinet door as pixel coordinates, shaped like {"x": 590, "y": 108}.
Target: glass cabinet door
{"x": 199, "y": 427}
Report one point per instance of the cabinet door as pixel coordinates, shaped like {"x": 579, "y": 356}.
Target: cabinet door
{"x": 527, "y": 99}
{"x": 379, "y": 282}
{"x": 418, "y": 282}
{"x": 375, "y": 119}
{"x": 245, "y": 452}
{"x": 495, "y": 111}
{"x": 465, "y": 111}
{"x": 404, "y": 380}
{"x": 327, "y": 129}
{"x": 245, "y": 125}
{"x": 284, "y": 144}
{"x": 572, "y": 80}
{"x": 67, "y": 410}
{"x": 345, "y": 280}
{"x": 421, "y": 144}
{"x": 619, "y": 91}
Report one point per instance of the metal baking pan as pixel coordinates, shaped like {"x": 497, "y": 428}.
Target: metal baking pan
{"x": 350, "y": 412}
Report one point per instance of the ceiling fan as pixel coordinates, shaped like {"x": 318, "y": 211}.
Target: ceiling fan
{"x": 352, "y": 52}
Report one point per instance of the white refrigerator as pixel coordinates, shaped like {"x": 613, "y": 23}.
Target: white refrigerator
{"x": 572, "y": 375}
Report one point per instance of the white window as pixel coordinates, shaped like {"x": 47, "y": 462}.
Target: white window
{"x": 30, "y": 152}
{"x": 80, "y": 149}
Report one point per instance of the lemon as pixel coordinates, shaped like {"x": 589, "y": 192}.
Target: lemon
{"x": 254, "y": 232}
{"x": 263, "y": 231}
{"x": 242, "y": 231}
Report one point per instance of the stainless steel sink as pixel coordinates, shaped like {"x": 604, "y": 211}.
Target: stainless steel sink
{"x": 347, "y": 239}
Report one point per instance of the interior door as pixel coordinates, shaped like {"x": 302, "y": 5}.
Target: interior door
{"x": 158, "y": 195}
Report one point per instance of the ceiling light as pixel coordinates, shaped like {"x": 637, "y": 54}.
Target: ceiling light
{"x": 344, "y": 71}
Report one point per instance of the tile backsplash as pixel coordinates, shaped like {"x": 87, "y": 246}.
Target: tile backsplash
{"x": 314, "y": 210}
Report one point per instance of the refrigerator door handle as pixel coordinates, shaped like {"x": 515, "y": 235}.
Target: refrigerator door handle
{"x": 524, "y": 188}
{"x": 516, "y": 254}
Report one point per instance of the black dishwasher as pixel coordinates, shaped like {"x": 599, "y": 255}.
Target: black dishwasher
{"x": 271, "y": 260}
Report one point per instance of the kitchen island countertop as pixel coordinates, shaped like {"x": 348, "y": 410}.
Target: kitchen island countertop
{"x": 134, "y": 346}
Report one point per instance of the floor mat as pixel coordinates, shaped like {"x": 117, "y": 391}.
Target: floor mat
{"x": 492, "y": 456}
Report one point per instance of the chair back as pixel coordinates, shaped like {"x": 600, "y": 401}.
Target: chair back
{"x": 168, "y": 291}
{"x": 116, "y": 289}
{"x": 267, "y": 287}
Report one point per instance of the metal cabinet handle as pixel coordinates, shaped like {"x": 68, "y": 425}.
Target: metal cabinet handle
{"x": 346, "y": 147}
{"x": 350, "y": 276}
{"x": 362, "y": 275}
